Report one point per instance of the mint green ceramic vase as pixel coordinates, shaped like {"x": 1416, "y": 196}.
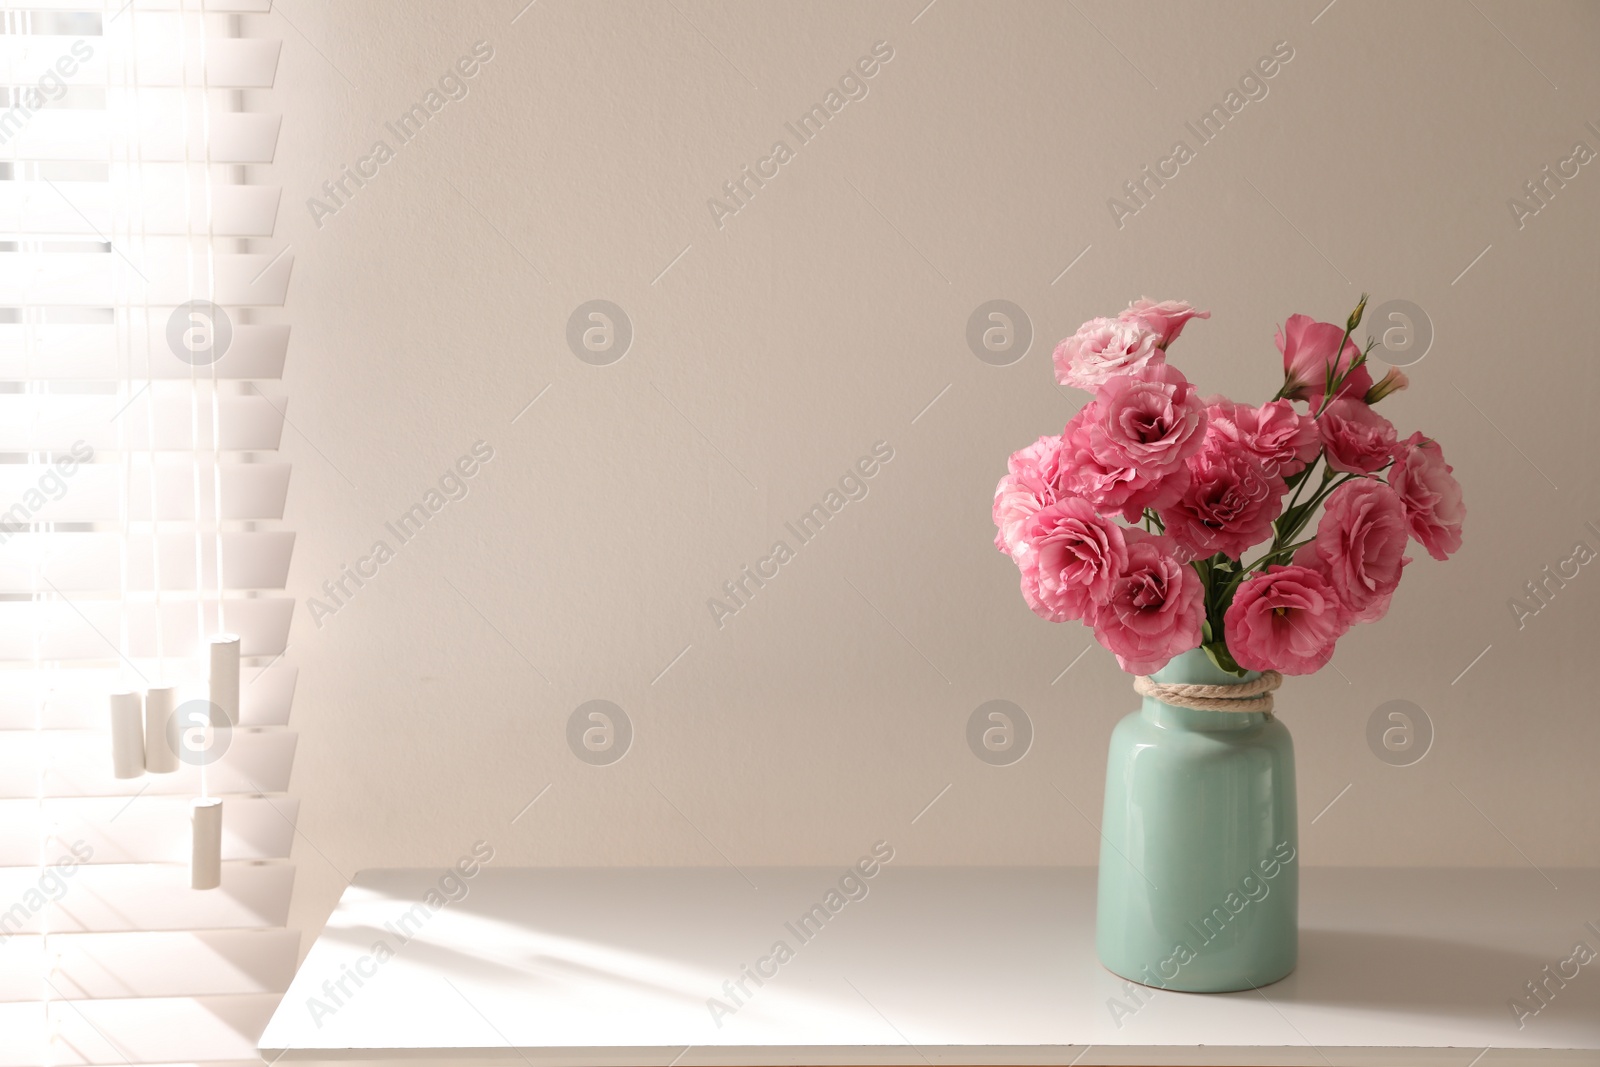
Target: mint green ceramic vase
{"x": 1199, "y": 871}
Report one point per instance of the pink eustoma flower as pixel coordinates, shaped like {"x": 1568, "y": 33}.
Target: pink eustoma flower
{"x": 1360, "y": 546}
{"x": 1357, "y": 439}
{"x": 1028, "y": 486}
{"x": 1285, "y": 619}
{"x": 1392, "y": 382}
{"x": 1165, "y": 317}
{"x": 1431, "y": 495}
{"x": 1229, "y": 505}
{"x": 1308, "y": 347}
{"x": 1105, "y": 347}
{"x": 1154, "y": 607}
{"x": 1111, "y": 486}
{"x": 1283, "y": 438}
{"x": 1072, "y": 556}
{"x": 1151, "y": 421}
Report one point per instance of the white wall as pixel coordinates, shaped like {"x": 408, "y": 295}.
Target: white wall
{"x": 432, "y": 307}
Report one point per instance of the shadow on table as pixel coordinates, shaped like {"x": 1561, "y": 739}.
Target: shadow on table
{"x": 550, "y": 964}
{"x": 1399, "y": 973}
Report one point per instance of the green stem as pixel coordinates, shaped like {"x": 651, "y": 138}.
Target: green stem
{"x": 1322, "y": 494}
{"x": 1305, "y": 476}
{"x": 1227, "y": 593}
{"x": 1273, "y": 553}
{"x": 1330, "y": 378}
{"x": 1294, "y": 516}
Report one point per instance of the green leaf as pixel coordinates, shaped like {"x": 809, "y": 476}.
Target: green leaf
{"x": 1217, "y": 652}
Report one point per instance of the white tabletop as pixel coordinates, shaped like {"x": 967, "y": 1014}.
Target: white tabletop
{"x": 978, "y": 965}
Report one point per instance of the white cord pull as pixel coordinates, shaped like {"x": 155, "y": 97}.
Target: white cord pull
{"x": 127, "y": 734}
{"x": 160, "y": 756}
{"x": 225, "y": 675}
{"x": 205, "y": 859}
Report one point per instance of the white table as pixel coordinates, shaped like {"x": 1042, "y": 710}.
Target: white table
{"x": 934, "y": 965}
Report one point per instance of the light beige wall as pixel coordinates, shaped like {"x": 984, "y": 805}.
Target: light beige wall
{"x": 824, "y": 317}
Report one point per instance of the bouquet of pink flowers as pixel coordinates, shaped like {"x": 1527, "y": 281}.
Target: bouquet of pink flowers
{"x": 1200, "y": 482}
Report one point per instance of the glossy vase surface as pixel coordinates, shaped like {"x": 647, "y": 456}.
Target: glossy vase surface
{"x": 1199, "y": 868}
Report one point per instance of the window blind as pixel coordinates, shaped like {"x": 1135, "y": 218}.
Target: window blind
{"x": 141, "y": 507}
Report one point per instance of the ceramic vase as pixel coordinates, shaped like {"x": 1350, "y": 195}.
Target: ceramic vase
{"x": 1199, "y": 871}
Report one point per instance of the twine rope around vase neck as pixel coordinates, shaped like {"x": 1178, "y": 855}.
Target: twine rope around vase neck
{"x": 1254, "y": 695}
